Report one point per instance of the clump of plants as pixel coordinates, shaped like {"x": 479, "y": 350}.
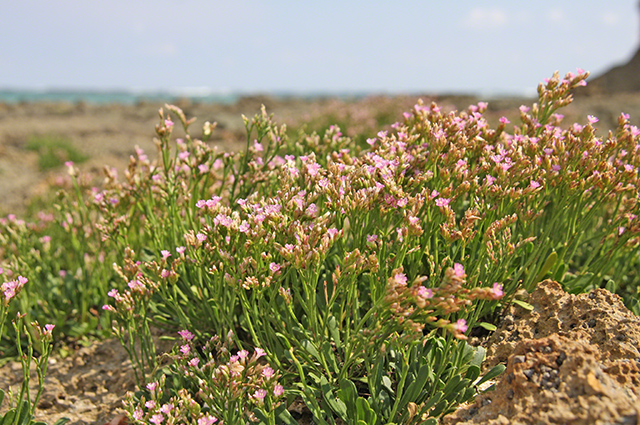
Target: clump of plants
{"x": 53, "y": 151}
{"x": 315, "y": 269}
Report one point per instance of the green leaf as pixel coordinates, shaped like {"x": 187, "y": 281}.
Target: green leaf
{"x": 559, "y": 275}
{"x": 327, "y": 351}
{"x": 548, "y": 264}
{"x": 8, "y": 417}
{"x": 487, "y": 326}
{"x": 1, "y": 396}
{"x": 495, "y": 371}
{"x": 472, "y": 373}
{"x": 432, "y": 401}
{"x": 387, "y": 384}
{"x": 634, "y": 305}
{"x": 523, "y": 304}
{"x": 365, "y": 412}
{"x": 348, "y": 394}
{"x": 335, "y": 404}
{"x": 282, "y": 415}
{"x": 311, "y": 349}
{"x": 467, "y": 395}
{"x": 479, "y": 356}
{"x": 375, "y": 382}
{"x": 579, "y": 284}
{"x": 334, "y": 331}
{"x": 611, "y": 286}
{"x": 261, "y": 416}
{"x": 451, "y": 385}
{"x": 415, "y": 388}
{"x": 439, "y": 408}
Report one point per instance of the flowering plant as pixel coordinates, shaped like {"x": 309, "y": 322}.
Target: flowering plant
{"x": 358, "y": 267}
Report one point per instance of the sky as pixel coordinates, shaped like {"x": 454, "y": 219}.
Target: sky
{"x": 304, "y": 47}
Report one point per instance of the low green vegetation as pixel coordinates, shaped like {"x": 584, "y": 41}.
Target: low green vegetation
{"x": 54, "y": 151}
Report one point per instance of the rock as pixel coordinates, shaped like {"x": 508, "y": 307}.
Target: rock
{"x": 565, "y": 364}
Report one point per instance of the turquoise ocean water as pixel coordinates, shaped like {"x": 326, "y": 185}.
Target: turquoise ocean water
{"x": 106, "y": 97}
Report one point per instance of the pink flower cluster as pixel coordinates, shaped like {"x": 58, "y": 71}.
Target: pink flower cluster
{"x": 11, "y": 288}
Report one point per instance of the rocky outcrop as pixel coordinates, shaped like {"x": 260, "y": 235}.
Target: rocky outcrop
{"x": 573, "y": 359}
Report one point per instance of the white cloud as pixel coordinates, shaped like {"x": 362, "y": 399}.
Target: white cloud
{"x": 482, "y": 18}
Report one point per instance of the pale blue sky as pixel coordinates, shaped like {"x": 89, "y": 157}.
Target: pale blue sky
{"x": 304, "y": 46}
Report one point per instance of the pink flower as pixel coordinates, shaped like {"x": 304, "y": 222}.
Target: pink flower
{"x": 268, "y": 372}
{"x": 274, "y": 267}
{"x": 244, "y": 227}
{"x": 425, "y": 293}
{"x": 371, "y": 238}
{"x": 165, "y": 254}
{"x": 200, "y": 237}
{"x": 260, "y": 394}
{"x": 150, "y": 404}
{"x": 194, "y": 362}
{"x": 278, "y": 390}
{"x": 135, "y": 284}
{"x": 260, "y": 352}
{"x": 186, "y": 335}
{"x": 257, "y": 146}
{"x": 168, "y": 123}
{"x": 137, "y": 414}
{"x": 489, "y": 180}
{"x": 203, "y": 168}
{"x": 460, "y": 325}
{"x": 157, "y": 419}
{"x": 166, "y": 408}
{"x": 242, "y": 354}
{"x": 534, "y": 184}
{"x": 207, "y": 420}
{"x": 504, "y": 120}
{"x": 313, "y": 168}
{"x": 592, "y": 119}
{"x": 48, "y": 329}
{"x": 332, "y": 232}
{"x": 442, "y": 202}
{"x": 185, "y": 349}
{"x": 458, "y": 270}
{"x": 497, "y": 290}
{"x": 152, "y": 386}
{"x": 400, "y": 279}
{"x": 312, "y": 210}
{"x": 181, "y": 249}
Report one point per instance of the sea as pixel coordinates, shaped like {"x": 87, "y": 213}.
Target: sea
{"x": 130, "y": 97}
{"x": 127, "y": 97}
